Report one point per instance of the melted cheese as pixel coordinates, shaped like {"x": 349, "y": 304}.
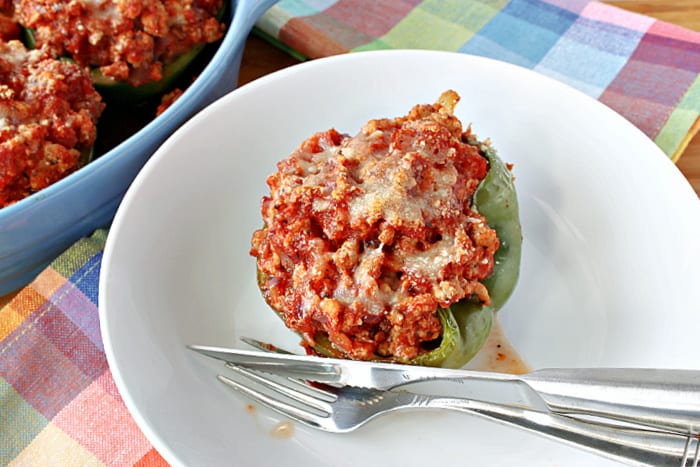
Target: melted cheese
{"x": 374, "y": 231}
{"x": 103, "y": 9}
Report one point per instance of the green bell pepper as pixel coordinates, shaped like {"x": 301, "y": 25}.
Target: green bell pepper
{"x": 86, "y": 156}
{"x": 466, "y": 325}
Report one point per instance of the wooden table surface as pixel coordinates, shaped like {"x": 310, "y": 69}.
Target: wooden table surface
{"x": 261, "y": 58}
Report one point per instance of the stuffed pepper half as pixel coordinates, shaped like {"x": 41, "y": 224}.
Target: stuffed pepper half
{"x": 396, "y": 244}
{"x": 134, "y": 48}
{"x": 48, "y": 120}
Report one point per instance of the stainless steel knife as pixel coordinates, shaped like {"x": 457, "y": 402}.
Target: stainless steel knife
{"x": 659, "y": 398}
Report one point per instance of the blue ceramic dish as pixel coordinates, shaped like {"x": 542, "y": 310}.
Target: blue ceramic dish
{"x": 38, "y": 228}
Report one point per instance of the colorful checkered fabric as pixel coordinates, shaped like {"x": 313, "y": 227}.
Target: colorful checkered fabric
{"x": 58, "y": 402}
{"x": 646, "y": 70}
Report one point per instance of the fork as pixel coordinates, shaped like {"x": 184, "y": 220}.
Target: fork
{"x": 346, "y": 408}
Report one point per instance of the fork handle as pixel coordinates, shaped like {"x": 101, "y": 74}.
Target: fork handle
{"x": 668, "y": 400}
{"x": 639, "y": 447}
{"x": 658, "y": 399}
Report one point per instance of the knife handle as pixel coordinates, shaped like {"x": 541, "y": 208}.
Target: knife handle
{"x": 664, "y": 399}
{"x": 638, "y": 447}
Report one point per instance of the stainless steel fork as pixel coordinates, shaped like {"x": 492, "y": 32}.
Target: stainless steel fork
{"x": 343, "y": 409}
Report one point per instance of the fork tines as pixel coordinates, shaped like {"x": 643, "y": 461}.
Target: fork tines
{"x": 311, "y": 399}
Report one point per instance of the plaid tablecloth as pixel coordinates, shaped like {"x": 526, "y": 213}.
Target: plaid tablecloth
{"x": 58, "y": 402}
{"x": 647, "y": 70}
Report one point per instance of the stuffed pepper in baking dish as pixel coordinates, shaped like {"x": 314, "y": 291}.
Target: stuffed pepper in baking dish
{"x": 396, "y": 244}
{"x": 48, "y": 116}
{"x": 133, "y": 47}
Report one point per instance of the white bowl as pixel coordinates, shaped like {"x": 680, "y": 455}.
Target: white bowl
{"x": 610, "y": 268}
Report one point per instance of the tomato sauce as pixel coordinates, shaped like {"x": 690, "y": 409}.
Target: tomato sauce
{"x": 48, "y": 114}
{"x": 366, "y": 236}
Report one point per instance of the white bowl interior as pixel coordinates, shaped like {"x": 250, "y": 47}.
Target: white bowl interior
{"x": 609, "y": 274}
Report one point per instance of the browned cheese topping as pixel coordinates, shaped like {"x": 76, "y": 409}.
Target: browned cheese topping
{"x": 48, "y": 112}
{"x": 128, "y": 40}
{"x": 366, "y": 236}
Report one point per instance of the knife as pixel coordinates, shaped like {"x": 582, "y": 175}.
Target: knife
{"x": 660, "y": 398}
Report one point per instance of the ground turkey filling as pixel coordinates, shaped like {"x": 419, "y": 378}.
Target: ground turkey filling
{"x": 366, "y": 236}
{"x": 48, "y": 114}
{"x": 128, "y": 40}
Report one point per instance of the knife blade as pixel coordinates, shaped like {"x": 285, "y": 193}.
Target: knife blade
{"x": 476, "y": 389}
{"x": 383, "y": 376}
{"x": 659, "y": 398}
